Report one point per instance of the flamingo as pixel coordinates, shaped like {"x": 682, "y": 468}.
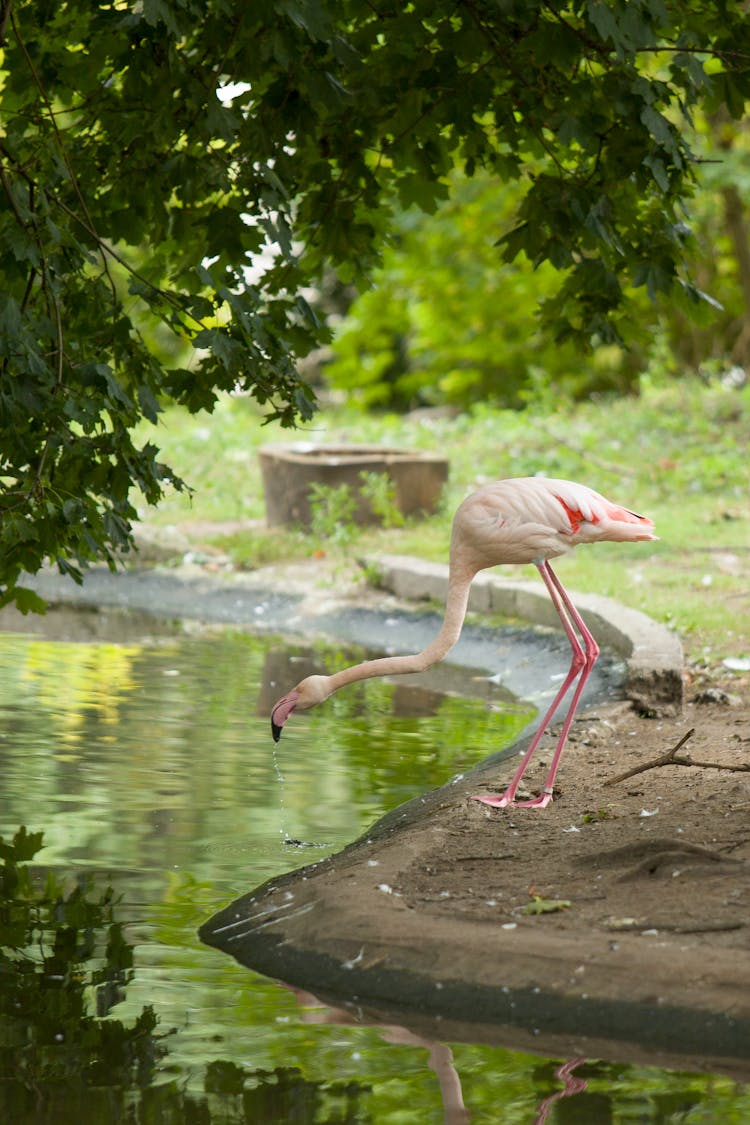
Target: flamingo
{"x": 518, "y": 520}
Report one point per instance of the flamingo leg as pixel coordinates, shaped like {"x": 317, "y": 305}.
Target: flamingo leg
{"x": 583, "y": 660}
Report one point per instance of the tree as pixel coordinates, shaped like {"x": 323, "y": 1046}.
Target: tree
{"x": 447, "y": 322}
{"x": 135, "y": 193}
{"x": 721, "y": 222}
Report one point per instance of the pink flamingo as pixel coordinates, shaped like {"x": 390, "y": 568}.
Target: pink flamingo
{"x": 520, "y": 520}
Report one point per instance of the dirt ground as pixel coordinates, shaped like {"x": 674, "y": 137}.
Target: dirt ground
{"x": 665, "y": 849}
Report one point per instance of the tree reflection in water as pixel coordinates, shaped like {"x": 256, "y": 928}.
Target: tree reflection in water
{"x": 62, "y": 954}
{"x": 63, "y": 957}
{"x": 66, "y": 1059}
{"x": 140, "y": 759}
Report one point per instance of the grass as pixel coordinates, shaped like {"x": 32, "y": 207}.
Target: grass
{"x": 679, "y": 453}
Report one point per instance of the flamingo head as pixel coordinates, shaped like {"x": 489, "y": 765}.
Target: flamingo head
{"x": 306, "y": 694}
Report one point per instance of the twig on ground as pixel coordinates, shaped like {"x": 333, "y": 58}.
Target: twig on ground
{"x": 678, "y": 927}
{"x": 667, "y": 759}
{"x": 671, "y": 759}
{"x": 744, "y": 767}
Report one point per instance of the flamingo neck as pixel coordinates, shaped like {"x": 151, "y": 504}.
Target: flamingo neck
{"x": 459, "y": 584}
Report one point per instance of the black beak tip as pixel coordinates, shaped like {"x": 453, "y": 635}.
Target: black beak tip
{"x": 276, "y": 731}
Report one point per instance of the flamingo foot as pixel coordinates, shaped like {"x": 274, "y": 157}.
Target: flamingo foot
{"x": 507, "y": 800}
{"x": 539, "y": 802}
{"x": 501, "y": 801}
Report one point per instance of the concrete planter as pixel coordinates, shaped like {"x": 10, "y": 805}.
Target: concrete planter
{"x": 289, "y": 471}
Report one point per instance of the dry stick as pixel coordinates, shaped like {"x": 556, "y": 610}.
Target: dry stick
{"x": 744, "y": 768}
{"x": 671, "y": 759}
{"x": 667, "y": 759}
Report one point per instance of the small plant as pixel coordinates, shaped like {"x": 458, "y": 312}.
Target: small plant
{"x": 332, "y": 509}
{"x": 372, "y": 573}
{"x": 379, "y": 491}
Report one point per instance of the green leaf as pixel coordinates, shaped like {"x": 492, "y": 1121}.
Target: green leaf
{"x": 555, "y": 42}
{"x": 157, "y": 12}
{"x": 659, "y": 127}
{"x": 27, "y": 601}
{"x": 23, "y": 847}
{"x": 658, "y": 170}
{"x": 603, "y": 19}
{"x": 657, "y": 276}
{"x": 734, "y": 97}
{"x": 148, "y": 403}
{"x": 10, "y": 317}
{"x": 541, "y": 905}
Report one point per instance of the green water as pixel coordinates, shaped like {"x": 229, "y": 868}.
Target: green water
{"x": 149, "y": 769}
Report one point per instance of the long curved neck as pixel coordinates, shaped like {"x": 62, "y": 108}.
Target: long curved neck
{"x": 459, "y": 584}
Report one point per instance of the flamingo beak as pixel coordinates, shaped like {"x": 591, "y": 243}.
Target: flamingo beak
{"x": 281, "y": 712}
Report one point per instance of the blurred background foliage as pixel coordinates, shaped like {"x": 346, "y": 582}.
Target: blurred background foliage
{"x": 446, "y": 321}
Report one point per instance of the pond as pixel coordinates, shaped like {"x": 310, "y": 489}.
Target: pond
{"x": 146, "y": 763}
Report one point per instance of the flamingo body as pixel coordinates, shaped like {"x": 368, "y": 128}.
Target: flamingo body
{"x": 518, "y": 520}
{"x": 531, "y": 519}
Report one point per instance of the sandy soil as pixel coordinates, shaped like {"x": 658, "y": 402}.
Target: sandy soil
{"x": 667, "y": 848}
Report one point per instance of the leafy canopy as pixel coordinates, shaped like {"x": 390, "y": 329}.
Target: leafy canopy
{"x": 175, "y": 175}
{"x": 446, "y": 321}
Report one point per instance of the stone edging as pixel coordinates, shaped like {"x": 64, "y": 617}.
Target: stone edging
{"x": 652, "y": 652}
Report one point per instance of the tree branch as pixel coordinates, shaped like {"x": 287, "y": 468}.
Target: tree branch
{"x": 9, "y": 193}
{"x": 61, "y": 146}
{"x": 667, "y": 759}
{"x": 671, "y": 759}
{"x": 4, "y": 17}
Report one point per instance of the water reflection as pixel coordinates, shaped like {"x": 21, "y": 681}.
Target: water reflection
{"x": 149, "y": 754}
{"x": 440, "y": 1060}
{"x": 439, "y": 1055}
{"x": 142, "y": 752}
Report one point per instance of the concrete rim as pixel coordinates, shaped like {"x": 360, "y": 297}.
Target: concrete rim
{"x": 653, "y": 653}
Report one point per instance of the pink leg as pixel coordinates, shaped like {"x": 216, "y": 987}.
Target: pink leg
{"x": 581, "y": 664}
